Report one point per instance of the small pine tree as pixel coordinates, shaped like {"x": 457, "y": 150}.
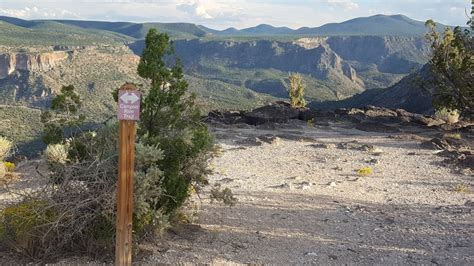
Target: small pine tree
{"x": 296, "y": 91}
{"x": 171, "y": 120}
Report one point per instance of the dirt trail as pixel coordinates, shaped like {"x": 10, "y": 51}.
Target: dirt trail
{"x": 301, "y": 202}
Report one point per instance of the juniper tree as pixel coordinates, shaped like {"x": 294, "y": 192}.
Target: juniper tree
{"x": 452, "y": 65}
{"x": 62, "y": 115}
{"x": 171, "y": 120}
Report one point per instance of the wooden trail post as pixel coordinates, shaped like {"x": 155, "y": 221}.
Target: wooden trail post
{"x": 128, "y": 113}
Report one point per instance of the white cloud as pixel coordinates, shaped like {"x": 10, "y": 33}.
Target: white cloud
{"x": 198, "y": 8}
{"x": 35, "y": 12}
{"x": 221, "y": 14}
{"x": 346, "y": 4}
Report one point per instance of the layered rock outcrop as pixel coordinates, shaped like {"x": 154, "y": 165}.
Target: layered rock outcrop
{"x": 11, "y": 62}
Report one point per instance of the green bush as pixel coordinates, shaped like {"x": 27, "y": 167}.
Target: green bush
{"x": 24, "y": 224}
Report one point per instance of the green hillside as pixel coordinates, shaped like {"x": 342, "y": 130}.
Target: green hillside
{"x": 139, "y": 30}
{"x": 49, "y": 33}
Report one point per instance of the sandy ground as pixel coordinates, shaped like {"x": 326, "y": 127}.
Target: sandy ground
{"x": 303, "y": 203}
{"x": 300, "y": 201}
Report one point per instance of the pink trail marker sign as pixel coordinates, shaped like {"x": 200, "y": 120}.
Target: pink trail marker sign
{"x": 129, "y": 105}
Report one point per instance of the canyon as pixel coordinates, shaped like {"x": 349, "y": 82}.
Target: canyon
{"x": 11, "y": 62}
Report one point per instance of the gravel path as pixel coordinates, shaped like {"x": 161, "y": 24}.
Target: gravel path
{"x": 301, "y": 202}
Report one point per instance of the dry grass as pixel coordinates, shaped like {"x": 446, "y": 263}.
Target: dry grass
{"x": 449, "y": 116}
{"x": 462, "y": 188}
{"x": 453, "y": 135}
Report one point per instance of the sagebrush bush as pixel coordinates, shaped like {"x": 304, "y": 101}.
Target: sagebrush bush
{"x": 148, "y": 189}
{"x": 5, "y": 148}
{"x": 56, "y": 154}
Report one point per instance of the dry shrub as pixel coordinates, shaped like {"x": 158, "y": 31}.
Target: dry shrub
{"x": 56, "y": 154}
{"x": 80, "y": 201}
{"x": 224, "y": 195}
{"x": 463, "y": 188}
{"x": 5, "y": 148}
{"x": 450, "y": 116}
{"x": 296, "y": 90}
{"x": 76, "y": 212}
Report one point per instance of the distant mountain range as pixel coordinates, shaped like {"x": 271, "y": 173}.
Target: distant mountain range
{"x": 374, "y": 25}
{"x": 378, "y": 25}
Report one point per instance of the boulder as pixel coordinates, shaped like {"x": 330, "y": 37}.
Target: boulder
{"x": 250, "y": 141}
{"x": 356, "y": 115}
{"x": 342, "y": 111}
{"x": 436, "y": 144}
{"x": 420, "y": 119}
{"x": 373, "y": 111}
{"x": 426, "y": 120}
{"x": 316, "y": 115}
{"x": 278, "y": 112}
{"x": 355, "y": 145}
{"x": 269, "y": 138}
{"x": 381, "y": 115}
{"x": 466, "y": 160}
{"x": 404, "y": 113}
{"x": 227, "y": 117}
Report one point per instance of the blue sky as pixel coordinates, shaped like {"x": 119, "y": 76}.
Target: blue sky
{"x": 220, "y": 14}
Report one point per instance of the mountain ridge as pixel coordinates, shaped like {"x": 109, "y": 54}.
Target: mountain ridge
{"x": 377, "y": 25}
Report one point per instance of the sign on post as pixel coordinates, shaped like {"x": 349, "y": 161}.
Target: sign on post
{"x": 129, "y": 104}
{"x": 128, "y": 113}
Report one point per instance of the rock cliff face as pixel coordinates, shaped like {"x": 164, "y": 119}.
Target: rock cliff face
{"x": 11, "y": 62}
{"x": 406, "y": 94}
{"x": 391, "y": 54}
{"x": 315, "y": 60}
{"x": 359, "y": 60}
{"x": 261, "y": 54}
{"x": 32, "y": 78}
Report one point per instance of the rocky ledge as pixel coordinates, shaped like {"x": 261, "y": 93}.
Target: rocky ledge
{"x": 11, "y": 62}
{"x": 454, "y": 141}
{"x": 390, "y": 119}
